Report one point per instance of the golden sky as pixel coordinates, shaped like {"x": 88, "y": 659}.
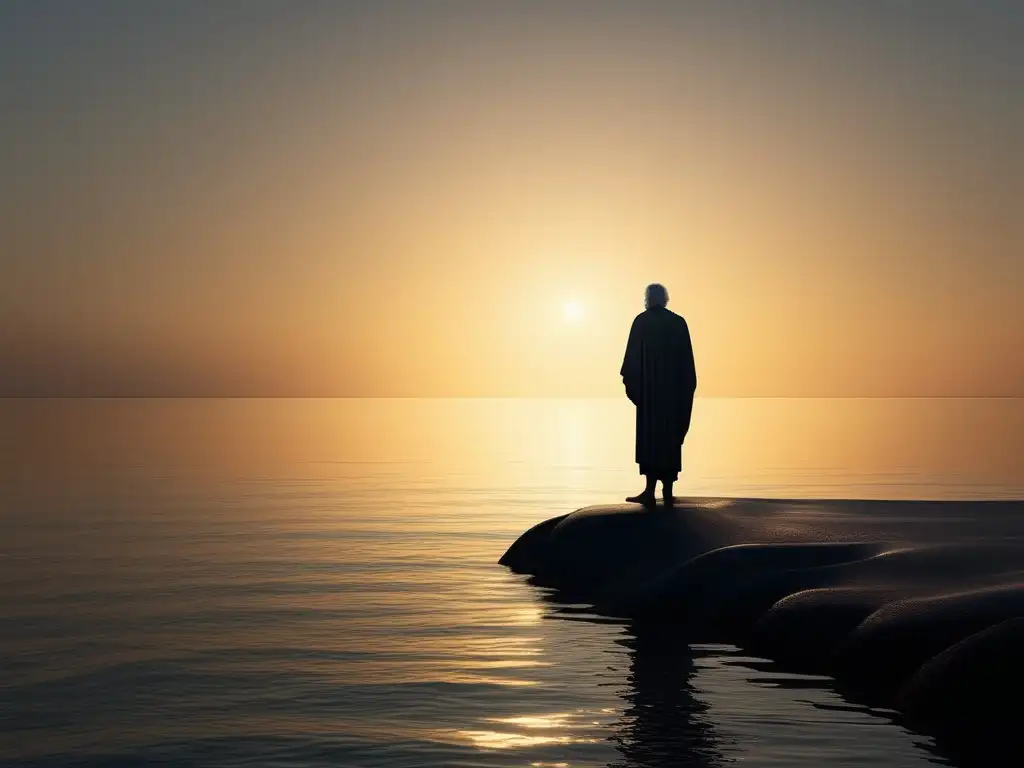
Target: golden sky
{"x": 387, "y": 198}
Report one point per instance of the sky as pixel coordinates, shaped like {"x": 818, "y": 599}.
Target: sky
{"x": 468, "y": 198}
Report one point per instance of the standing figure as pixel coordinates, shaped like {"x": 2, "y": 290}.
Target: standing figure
{"x": 660, "y": 379}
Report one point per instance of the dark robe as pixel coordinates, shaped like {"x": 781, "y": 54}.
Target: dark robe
{"x": 660, "y": 379}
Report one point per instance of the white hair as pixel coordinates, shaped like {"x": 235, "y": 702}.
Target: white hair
{"x": 655, "y": 295}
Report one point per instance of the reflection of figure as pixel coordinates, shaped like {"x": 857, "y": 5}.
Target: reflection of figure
{"x": 663, "y": 724}
{"x": 660, "y": 378}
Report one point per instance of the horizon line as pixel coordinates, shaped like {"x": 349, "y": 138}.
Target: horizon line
{"x": 501, "y": 397}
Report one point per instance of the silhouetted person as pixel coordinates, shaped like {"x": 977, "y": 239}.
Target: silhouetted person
{"x": 660, "y": 379}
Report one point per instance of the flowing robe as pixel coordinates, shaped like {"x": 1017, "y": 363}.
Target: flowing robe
{"x": 660, "y": 379}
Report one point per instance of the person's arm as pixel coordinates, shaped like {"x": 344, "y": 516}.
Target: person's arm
{"x": 689, "y": 366}
{"x": 630, "y": 371}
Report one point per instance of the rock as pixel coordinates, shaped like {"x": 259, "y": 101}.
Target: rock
{"x": 803, "y": 630}
{"x": 887, "y": 648}
{"x": 866, "y": 590}
{"x": 969, "y": 694}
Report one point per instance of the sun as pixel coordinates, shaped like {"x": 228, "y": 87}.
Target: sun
{"x": 572, "y": 311}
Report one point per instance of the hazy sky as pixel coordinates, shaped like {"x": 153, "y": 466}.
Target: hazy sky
{"x": 400, "y": 198}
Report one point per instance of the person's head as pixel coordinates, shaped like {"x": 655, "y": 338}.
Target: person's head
{"x": 655, "y": 296}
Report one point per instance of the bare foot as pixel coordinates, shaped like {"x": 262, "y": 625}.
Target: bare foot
{"x": 645, "y": 498}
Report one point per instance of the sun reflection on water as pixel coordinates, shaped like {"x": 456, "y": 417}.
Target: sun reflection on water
{"x": 499, "y": 740}
{"x": 534, "y": 721}
{"x": 536, "y": 730}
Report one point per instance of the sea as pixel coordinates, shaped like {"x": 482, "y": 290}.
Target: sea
{"x": 276, "y": 582}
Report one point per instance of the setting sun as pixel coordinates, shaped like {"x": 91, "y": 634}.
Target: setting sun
{"x": 573, "y": 311}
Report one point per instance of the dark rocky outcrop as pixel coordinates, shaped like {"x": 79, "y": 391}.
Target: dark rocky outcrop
{"x": 904, "y": 602}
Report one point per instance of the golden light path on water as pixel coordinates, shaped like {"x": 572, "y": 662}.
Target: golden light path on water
{"x": 526, "y": 727}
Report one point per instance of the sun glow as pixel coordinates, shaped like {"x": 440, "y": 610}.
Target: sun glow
{"x": 573, "y": 311}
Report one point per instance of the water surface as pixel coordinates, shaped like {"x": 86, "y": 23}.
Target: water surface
{"x": 313, "y": 582}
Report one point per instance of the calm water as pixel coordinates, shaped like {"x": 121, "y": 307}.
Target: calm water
{"x": 225, "y": 582}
